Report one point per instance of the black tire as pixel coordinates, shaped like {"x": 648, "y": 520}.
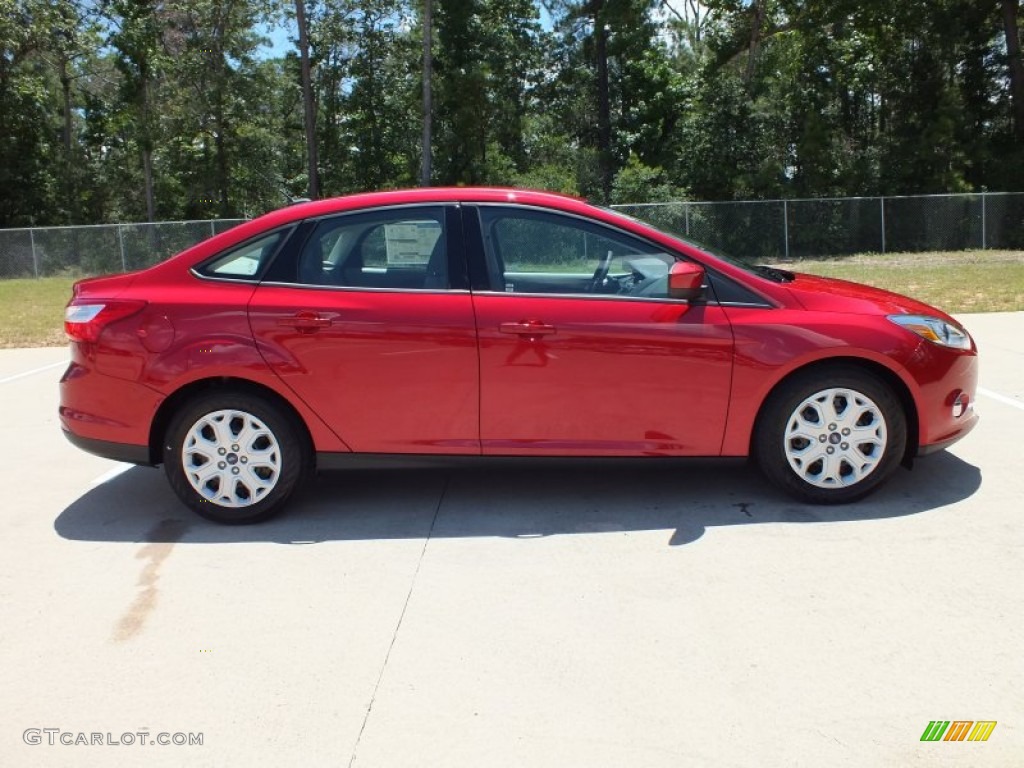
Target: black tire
{"x": 813, "y": 461}
{"x": 207, "y": 428}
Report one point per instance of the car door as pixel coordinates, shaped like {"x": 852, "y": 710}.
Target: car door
{"x": 370, "y": 322}
{"x": 581, "y": 350}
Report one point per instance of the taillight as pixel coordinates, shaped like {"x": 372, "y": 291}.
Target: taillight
{"x": 86, "y": 321}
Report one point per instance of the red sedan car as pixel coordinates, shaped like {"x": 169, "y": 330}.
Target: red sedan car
{"x": 490, "y": 323}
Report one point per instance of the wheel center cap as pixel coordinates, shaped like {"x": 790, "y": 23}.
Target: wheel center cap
{"x": 834, "y": 438}
{"x": 231, "y": 458}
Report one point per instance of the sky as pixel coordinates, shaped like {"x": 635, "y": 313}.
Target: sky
{"x": 280, "y": 35}
{"x": 279, "y": 38}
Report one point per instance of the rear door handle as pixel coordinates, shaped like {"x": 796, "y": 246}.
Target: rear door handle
{"x": 528, "y": 328}
{"x": 306, "y": 321}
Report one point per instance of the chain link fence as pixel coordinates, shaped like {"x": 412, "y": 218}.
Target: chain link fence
{"x": 827, "y": 227}
{"x": 762, "y": 230}
{"x": 98, "y": 249}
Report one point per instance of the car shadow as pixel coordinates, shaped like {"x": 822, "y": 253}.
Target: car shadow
{"x": 523, "y": 501}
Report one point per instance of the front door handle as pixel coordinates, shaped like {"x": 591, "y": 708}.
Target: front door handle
{"x": 305, "y": 321}
{"x": 528, "y": 328}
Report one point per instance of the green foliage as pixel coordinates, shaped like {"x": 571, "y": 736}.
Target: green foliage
{"x": 486, "y": 63}
{"x": 123, "y": 110}
{"x": 639, "y": 183}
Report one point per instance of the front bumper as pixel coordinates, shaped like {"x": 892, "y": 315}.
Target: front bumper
{"x": 967, "y": 423}
{"x": 946, "y": 385}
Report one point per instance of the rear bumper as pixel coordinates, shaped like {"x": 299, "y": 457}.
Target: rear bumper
{"x": 133, "y": 454}
{"x": 105, "y": 415}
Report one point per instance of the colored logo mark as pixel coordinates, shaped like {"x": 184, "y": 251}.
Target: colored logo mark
{"x": 958, "y": 730}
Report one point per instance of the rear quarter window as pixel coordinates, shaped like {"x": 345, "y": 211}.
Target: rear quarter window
{"x": 246, "y": 261}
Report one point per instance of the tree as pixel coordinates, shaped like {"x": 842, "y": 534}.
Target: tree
{"x": 143, "y": 109}
{"x": 426, "y": 146}
{"x": 218, "y": 102}
{"x": 137, "y": 27}
{"x": 618, "y": 90}
{"x": 308, "y": 105}
{"x": 28, "y": 176}
{"x": 1015, "y": 64}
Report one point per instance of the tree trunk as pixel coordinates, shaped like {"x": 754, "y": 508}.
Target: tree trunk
{"x": 67, "y": 172}
{"x": 223, "y": 171}
{"x": 756, "y": 25}
{"x": 307, "y": 101}
{"x": 147, "y": 148}
{"x": 428, "y": 69}
{"x": 147, "y": 180}
{"x": 1016, "y": 62}
{"x": 604, "y": 113}
{"x": 221, "y": 72}
{"x": 65, "y": 87}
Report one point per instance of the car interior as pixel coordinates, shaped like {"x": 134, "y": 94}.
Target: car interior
{"x": 369, "y": 255}
{"x": 525, "y": 256}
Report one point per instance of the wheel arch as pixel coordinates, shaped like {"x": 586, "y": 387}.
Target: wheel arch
{"x": 171, "y": 404}
{"x": 888, "y": 376}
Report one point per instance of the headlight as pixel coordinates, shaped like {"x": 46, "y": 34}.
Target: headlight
{"x": 934, "y": 330}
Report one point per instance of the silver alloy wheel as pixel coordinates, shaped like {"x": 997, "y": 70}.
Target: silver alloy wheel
{"x": 231, "y": 458}
{"x": 835, "y": 438}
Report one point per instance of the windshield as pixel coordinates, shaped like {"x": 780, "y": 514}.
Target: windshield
{"x": 663, "y": 218}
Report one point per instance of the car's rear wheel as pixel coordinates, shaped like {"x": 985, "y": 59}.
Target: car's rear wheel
{"x": 234, "y": 458}
{"x": 832, "y": 435}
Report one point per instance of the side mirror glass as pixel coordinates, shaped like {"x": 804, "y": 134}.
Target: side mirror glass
{"x": 686, "y": 281}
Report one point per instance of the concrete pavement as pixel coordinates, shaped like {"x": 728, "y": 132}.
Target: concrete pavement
{"x": 533, "y": 616}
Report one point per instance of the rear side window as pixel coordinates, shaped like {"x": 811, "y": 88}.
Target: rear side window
{"x": 389, "y": 249}
{"x": 245, "y": 261}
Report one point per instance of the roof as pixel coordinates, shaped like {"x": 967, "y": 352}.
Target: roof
{"x": 422, "y": 195}
{"x": 433, "y": 195}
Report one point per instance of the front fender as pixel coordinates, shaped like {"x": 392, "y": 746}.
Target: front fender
{"x": 772, "y": 345}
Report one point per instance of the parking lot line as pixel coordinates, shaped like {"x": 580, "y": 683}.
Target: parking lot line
{"x": 120, "y": 469}
{"x": 1001, "y": 398}
{"x": 34, "y": 371}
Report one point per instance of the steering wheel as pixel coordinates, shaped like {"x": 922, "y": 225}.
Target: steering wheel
{"x": 601, "y": 273}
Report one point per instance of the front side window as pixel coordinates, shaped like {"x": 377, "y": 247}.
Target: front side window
{"x": 397, "y": 249}
{"x": 539, "y": 252}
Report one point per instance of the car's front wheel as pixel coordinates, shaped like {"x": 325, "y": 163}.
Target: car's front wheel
{"x": 234, "y": 458}
{"x": 831, "y": 435}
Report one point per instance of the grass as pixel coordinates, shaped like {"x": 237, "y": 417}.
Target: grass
{"x": 32, "y": 311}
{"x": 955, "y": 281}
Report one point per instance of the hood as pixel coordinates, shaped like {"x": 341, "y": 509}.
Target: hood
{"x": 827, "y": 294}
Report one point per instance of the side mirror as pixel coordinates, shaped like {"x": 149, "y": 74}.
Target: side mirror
{"x": 686, "y": 281}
